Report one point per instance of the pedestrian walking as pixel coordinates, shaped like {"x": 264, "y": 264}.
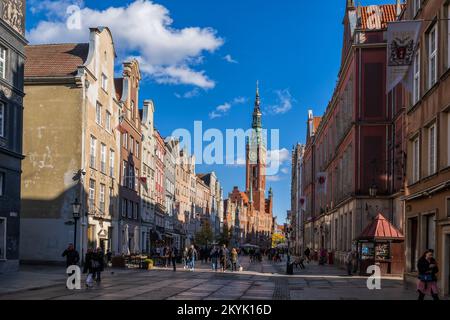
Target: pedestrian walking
{"x": 192, "y": 256}
{"x": 173, "y": 257}
{"x": 109, "y": 258}
{"x": 427, "y": 283}
{"x": 214, "y": 258}
{"x": 234, "y": 259}
{"x": 89, "y": 267}
{"x": 348, "y": 260}
{"x": 223, "y": 257}
{"x": 99, "y": 264}
{"x": 185, "y": 258}
{"x": 72, "y": 256}
{"x": 307, "y": 254}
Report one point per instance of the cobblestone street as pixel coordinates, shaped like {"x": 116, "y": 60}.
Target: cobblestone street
{"x": 262, "y": 281}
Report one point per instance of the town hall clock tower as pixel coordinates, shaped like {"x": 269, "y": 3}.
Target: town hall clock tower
{"x": 256, "y": 160}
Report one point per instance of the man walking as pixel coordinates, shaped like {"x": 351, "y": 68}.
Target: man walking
{"x": 349, "y": 262}
{"x": 192, "y": 256}
{"x": 173, "y": 257}
{"x": 72, "y": 256}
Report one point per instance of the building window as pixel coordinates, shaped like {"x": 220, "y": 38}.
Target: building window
{"x": 2, "y": 62}
{"x": 136, "y": 151}
{"x": 124, "y": 208}
{"x": 416, "y": 83}
{"x": 104, "y": 82}
{"x": 2, "y": 238}
{"x": 448, "y": 207}
{"x": 98, "y": 113}
{"x": 432, "y": 149}
{"x": 448, "y": 138}
{"x": 131, "y": 145}
{"x": 135, "y": 211}
{"x": 93, "y": 158}
{"x": 130, "y": 209}
{"x": 111, "y": 201}
{"x": 2, "y": 183}
{"x": 102, "y": 198}
{"x": 132, "y": 110}
{"x": 432, "y": 56}
{"x": 136, "y": 180}
{"x": 125, "y": 140}
{"x": 416, "y": 6}
{"x": 108, "y": 121}
{"x": 91, "y": 195}
{"x": 2, "y": 120}
{"x": 103, "y": 158}
{"x": 416, "y": 160}
{"x": 131, "y": 176}
{"x": 430, "y": 225}
{"x": 111, "y": 163}
{"x": 124, "y": 173}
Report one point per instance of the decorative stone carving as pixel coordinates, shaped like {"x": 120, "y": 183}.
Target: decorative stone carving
{"x": 12, "y": 12}
{"x": 8, "y": 93}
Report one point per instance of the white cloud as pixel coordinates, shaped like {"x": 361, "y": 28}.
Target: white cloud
{"x": 284, "y": 103}
{"x": 188, "y": 94}
{"x": 222, "y": 109}
{"x": 273, "y": 178}
{"x": 229, "y": 59}
{"x": 278, "y": 156}
{"x": 284, "y": 170}
{"x": 142, "y": 29}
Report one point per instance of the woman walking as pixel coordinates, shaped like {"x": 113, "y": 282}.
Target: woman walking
{"x": 99, "y": 264}
{"x": 427, "y": 283}
{"x": 89, "y": 267}
{"x": 234, "y": 259}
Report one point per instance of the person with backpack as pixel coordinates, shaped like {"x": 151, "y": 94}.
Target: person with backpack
{"x": 99, "y": 264}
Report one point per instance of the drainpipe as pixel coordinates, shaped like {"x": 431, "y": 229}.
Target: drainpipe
{"x": 83, "y": 162}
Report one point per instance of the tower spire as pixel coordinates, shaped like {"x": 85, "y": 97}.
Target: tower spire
{"x": 256, "y": 124}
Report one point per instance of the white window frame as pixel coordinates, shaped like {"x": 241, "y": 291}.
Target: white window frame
{"x": 3, "y": 62}
{"x": 432, "y": 56}
{"x": 102, "y": 198}
{"x": 124, "y": 173}
{"x": 432, "y": 149}
{"x": 103, "y": 158}
{"x": 98, "y": 113}
{"x": 137, "y": 149}
{"x": 416, "y": 81}
{"x": 108, "y": 121}
{"x": 104, "y": 82}
{"x": 91, "y": 202}
{"x": 111, "y": 162}
{"x": 93, "y": 148}
{"x": 416, "y": 159}
{"x": 2, "y": 119}
{"x": 3, "y": 241}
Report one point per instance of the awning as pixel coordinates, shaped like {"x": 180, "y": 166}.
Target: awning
{"x": 380, "y": 229}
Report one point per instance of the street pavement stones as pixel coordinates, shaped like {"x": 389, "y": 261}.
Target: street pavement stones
{"x": 265, "y": 281}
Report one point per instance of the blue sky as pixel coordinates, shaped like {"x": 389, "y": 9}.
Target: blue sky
{"x": 220, "y": 49}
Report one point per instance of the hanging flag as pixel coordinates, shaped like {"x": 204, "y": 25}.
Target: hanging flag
{"x": 402, "y": 37}
{"x": 302, "y": 202}
{"x": 322, "y": 182}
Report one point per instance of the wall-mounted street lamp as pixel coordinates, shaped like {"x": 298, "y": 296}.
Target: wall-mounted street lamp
{"x": 373, "y": 190}
{"x": 76, "y": 205}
